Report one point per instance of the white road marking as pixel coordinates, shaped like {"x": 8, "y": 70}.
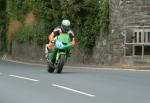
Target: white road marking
{"x": 73, "y": 90}
{"x": 24, "y": 78}
{"x": 4, "y": 58}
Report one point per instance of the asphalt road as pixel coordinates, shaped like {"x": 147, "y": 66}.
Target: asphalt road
{"x": 25, "y": 83}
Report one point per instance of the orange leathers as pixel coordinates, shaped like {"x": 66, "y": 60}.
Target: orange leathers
{"x": 51, "y": 39}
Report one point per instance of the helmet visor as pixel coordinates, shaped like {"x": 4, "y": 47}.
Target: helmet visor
{"x": 65, "y": 28}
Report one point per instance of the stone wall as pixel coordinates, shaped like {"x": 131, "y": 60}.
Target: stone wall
{"x": 129, "y": 12}
{"x": 36, "y": 53}
{"x": 28, "y": 51}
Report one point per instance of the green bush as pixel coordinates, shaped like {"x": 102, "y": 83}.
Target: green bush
{"x": 36, "y": 34}
{"x": 23, "y": 35}
{"x": 40, "y": 36}
{"x": 89, "y": 19}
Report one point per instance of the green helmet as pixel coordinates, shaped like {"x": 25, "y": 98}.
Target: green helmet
{"x": 65, "y": 24}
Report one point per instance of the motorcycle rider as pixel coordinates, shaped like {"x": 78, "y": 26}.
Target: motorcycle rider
{"x": 64, "y": 28}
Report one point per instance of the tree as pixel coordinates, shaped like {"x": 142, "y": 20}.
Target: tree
{"x": 3, "y": 21}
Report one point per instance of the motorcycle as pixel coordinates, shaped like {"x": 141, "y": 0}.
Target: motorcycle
{"x": 63, "y": 45}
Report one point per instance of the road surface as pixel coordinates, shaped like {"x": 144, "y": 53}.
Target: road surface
{"x": 25, "y": 83}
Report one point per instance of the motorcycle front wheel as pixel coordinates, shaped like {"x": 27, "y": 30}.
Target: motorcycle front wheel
{"x": 60, "y": 64}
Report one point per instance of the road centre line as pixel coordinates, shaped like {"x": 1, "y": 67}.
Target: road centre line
{"x": 73, "y": 90}
{"x": 20, "y": 77}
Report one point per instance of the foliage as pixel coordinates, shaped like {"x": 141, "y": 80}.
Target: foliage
{"x": 40, "y": 36}
{"x": 87, "y": 34}
{"x": 104, "y": 16}
{"x": 3, "y": 21}
{"x": 32, "y": 34}
{"x": 89, "y": 19}
{"x": 23, "y": 35}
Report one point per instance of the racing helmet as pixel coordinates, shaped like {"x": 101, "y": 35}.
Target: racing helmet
{"x": 65, "y": 24}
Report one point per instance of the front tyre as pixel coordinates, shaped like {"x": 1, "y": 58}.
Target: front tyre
{"x": 60, "y": 64}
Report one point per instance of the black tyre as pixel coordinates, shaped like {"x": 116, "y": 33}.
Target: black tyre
{"x": 60, "y": 64}
{"x": 50, "y": 69}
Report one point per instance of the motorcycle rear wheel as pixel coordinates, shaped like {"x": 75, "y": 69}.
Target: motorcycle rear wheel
{"x": 50, "y": 69}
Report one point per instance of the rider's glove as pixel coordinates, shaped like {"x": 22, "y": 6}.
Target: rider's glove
{"x": 73, "y": 41}
{"x": 52, "y": 42}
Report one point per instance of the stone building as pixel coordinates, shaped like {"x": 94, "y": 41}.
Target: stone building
{"x": 130, "y": 27}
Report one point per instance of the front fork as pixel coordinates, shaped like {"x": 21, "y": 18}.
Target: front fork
{"x": 58, "y": 56}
